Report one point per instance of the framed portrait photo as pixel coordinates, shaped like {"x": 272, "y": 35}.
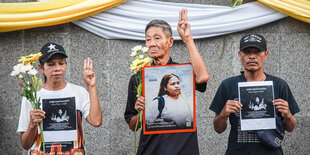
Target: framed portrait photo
{"x": 169, "y": 93}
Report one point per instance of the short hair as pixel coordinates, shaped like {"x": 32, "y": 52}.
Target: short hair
{"x": 160, "y": 23}
{"x": 164, "y": 83}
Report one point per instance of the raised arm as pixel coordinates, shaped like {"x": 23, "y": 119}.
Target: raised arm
{"x": 95, "y": 115}
{"x": 184, "y": 30}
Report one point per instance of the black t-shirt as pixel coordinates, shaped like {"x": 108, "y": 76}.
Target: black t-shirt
{"x": 246, "y": 142}
{"x": 162, "y": 144}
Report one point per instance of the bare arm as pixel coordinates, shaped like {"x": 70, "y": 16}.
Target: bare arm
{"x": 184, "y": 31}
{"x": 95, "y": 115}
{"x": 27, "y": 138}
{"x": 290, "y": 123}
{"x": 138, "y": 106}
{"x": 289, "y": 119}
{"x": 220, "y": 120}
{"x": 220, "y": 123}
{"x": 132, "y": 123}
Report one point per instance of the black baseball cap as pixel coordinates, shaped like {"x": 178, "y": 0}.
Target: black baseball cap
{"x": 49, "y": 50}
{"x": 253, "y": 40}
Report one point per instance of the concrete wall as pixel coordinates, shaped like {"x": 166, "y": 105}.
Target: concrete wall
{"x": 288, "y": 43}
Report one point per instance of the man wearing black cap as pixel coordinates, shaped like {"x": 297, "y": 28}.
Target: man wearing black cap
{"x": 253, "y": 54}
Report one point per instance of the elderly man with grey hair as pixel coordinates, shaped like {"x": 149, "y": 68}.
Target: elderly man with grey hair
{"x": 159, "y": 40}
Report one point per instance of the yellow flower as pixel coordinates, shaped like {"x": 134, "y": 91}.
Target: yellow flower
{"x": 138, "y": 64}
{"x": 32, "y": 58}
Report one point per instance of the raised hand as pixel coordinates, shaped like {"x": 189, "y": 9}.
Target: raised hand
{"x": 88, "y": 75}
{"x": 184, "y": 28}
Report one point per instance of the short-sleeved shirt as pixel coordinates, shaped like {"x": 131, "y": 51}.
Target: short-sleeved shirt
{"x": 162, "y": 144}
{"x": 78, "y": 96}
{"x": 246, "y": 142}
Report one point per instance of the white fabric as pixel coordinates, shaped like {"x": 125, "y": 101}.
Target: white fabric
{"x": 177, "y": 110}
{"x": 81, "y": 99}
{"x": 128, "y": 20}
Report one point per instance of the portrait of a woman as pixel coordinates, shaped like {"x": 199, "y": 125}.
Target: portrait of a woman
{"x": 170, "y": 107}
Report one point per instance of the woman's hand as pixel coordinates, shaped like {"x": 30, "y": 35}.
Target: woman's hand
{"x": 88, "y": 75}
{"x": 36, "y": 116}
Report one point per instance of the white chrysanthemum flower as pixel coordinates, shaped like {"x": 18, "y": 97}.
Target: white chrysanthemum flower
{"x": 137, "y": 48}
{"x": 145, "y": 49}
{"x": 33, "y": 72}
{"x": 20, "y": 76}
{"x": 18, "y": 68}
{"x": 133, "y": 54}
{"x": 26, "y": 68}
{"x": 14, "y": 73}
{"x": 141, "y": 56}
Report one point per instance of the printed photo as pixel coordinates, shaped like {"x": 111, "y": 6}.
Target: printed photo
{"x": 61, "y": 114}
{"x": 169, "y": 99}
{"x": 61, "y": 119}
{"x": 257, "y": 111}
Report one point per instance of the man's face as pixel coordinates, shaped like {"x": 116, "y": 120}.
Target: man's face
{"x": 253, "y": 59}
{"x": 157, "y": 42}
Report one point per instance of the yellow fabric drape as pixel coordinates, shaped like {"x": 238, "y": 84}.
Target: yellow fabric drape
{"x": 299, "y": 9}
{"x": 52, "y": 14}
{"x": 36, "y": 6}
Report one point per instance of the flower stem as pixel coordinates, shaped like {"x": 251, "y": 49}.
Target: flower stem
{"x": 42, "y": 137}
{"x": 139, "y": 116}
{"x": 223, "y": 48}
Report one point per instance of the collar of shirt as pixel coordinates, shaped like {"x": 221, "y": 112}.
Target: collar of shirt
{"x": 169, "y": 62}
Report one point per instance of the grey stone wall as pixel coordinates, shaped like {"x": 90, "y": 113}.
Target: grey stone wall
{"x": 288, "y": 43}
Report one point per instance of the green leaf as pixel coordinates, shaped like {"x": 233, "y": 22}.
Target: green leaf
{"x": 140, "y": 89}
{"x": 237, "y": 2}
{"x": 39, "y": 103}
{"x": 39, "y": 84}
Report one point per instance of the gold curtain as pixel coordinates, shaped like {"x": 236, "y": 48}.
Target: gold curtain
{"x": 17, "y": 16}
{"x": 299, "y": 9}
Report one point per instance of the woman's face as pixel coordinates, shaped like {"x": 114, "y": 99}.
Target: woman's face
{"x": 173, "y": 87}
{"x": 55, "y": 69}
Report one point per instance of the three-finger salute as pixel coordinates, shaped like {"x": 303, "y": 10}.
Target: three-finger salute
{"x": 88, "y": 75}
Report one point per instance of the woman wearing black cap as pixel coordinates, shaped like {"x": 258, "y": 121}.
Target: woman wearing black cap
{"x": 62, "y": 130}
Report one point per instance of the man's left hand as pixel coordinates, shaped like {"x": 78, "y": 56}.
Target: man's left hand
{"x": 282, "y": 107}
{"x": 184, "y": 28}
